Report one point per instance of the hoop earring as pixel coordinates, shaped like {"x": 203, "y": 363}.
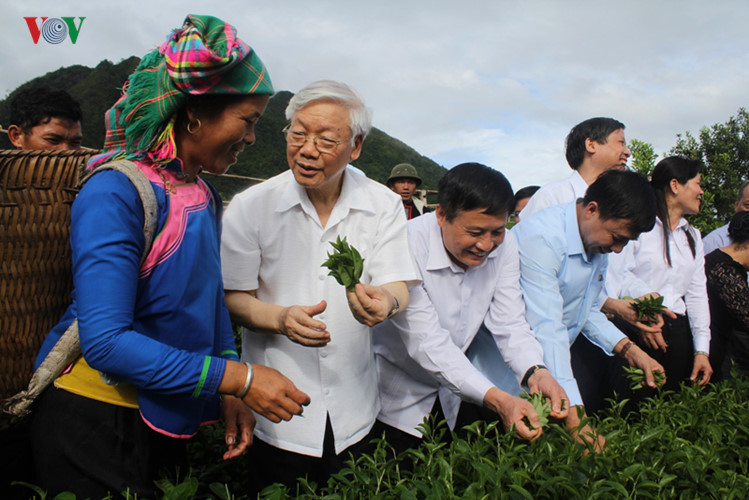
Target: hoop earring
{"x": 189, "y": 127}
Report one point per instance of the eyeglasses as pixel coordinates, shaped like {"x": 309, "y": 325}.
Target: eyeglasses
{"x": 298, "y": 139}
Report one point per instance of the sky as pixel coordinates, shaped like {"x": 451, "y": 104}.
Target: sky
{"x": 498, "y": 82}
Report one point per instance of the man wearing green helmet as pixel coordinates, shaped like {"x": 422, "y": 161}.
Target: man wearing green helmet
{"x": 404, "y": 180}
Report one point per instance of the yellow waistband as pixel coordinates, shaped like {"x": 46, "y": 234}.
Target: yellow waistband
{"x": 85, "y": 381}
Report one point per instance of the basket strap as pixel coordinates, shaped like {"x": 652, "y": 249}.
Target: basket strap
{"x": 68, "y": 347}
{"x": 145, "y": 190}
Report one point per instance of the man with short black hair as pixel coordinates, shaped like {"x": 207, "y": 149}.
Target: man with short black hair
{"x": 470, "y": 277}
{"x": 563, "y": 270}
{"x": 591, "y": 148}
{"x": 44, "y": 118}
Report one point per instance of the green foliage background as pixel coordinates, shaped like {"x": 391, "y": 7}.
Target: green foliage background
{"x": 723, "y": 149}
{"x": 98, "y": 88}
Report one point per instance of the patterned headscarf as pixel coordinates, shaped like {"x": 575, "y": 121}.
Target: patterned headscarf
{"x": 204, "y": 56}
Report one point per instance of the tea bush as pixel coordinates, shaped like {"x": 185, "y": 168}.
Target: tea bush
{"x": 692, "y": 444}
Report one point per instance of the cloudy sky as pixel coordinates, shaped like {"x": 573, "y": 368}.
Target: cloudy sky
{"x": 495, "y": 81}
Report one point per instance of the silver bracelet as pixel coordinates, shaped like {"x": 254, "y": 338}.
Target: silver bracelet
{"x": 701, "y": 352}
{"x": 247, "y": 382}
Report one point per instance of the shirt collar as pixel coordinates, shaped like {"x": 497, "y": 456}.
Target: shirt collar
{"x": 579, "y": 186}
{"x": 350, "y": 198}
{"x": 683, "y": 224}
{"x": 572, "y": 228}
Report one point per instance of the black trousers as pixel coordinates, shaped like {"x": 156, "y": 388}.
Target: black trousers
{"x": 599, "y": 376}
{"x": 92, "y": 448}
{"x": 678, "y": 360}
{"x": 16, "y": 462}
{"x": 727, "y": 348}
{"x": 269, "y": 464}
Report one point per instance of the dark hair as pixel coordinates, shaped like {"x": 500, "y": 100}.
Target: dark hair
{"x": 679, "y": 168}
{"x": 210, "y": 105}
{"x": 33, "y": 106}
{"x": 624, "y": 195}
{"x": 741, "y": 191}
{"x": 469, "y": 186}
{"x": 525, "y": 192}
{"x": 738, "y": 228}
{"x": 596, "y": 129}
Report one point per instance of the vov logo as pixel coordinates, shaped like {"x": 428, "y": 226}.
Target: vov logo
{"x": 54, "y": 29}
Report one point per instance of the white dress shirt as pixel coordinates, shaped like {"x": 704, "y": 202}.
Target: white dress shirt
{"x": 563, "y": 191}
{"x": 420, "y": 352}
{"x": 642, "y": 268}
{"x": 273, "y": 242}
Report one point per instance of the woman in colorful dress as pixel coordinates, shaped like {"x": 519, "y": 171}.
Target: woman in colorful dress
{"x": 158, "y": 346}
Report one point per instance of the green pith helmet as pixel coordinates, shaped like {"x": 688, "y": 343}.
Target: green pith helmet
{"x": 404, "y": 171}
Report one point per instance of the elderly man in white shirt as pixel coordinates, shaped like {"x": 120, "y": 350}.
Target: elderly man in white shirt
{"x": 471, "y": 275}
{"x": 295, "y": 317}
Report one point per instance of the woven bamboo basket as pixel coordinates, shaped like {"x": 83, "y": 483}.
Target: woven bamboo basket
{"x": 37, "y": 189}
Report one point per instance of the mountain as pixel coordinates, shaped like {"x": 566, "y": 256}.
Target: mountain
{"x": 98, "y": 88}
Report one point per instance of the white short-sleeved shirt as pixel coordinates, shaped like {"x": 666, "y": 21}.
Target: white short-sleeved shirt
{"x": 273, "y": 242}
{"x": 563, "y": 191}
{"x": 420, "y": 352}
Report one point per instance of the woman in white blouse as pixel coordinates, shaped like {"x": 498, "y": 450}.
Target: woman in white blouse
{"x": 670, "y": 260}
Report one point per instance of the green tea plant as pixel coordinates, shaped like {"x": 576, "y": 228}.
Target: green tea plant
{"x": 692, "y": 444}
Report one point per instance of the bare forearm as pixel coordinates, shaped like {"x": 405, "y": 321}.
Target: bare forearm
{"x": 399, "y": 291}
{"x": 251, "y": 312}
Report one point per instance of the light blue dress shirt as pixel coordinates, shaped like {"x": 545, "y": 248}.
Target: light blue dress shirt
{"x": 561, "y": 286}
{"x": 718, "y": 238}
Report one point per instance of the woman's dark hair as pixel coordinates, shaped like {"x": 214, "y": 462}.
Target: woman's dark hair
{"x": 210, "y": 105}
{"x": 738, "y": 228}
{"x": 679, "y": 168}
{"x": 623, "y": 195}
{"x": 469, "y": 186}
{"x": 596, "y": 129}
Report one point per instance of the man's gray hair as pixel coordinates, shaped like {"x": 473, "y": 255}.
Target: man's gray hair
{"x": 360, "y": 116}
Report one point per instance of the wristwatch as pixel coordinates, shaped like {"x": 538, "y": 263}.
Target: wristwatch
{"x": 396, "y": 307}
{"x": 533, "y": 369}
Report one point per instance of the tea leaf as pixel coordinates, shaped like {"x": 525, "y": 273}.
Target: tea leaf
{"x": 345, "y": 264}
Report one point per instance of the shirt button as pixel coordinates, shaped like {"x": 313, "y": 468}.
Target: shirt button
{"x": 323, "y": 354}
{"x": 327, "y": 392}
{"x": 321, "y": 277}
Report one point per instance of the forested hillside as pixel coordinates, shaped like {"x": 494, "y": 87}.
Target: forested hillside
{"x": 98, "y": 88}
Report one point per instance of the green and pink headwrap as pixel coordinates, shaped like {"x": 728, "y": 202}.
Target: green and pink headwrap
{"x": 204, "y": 56}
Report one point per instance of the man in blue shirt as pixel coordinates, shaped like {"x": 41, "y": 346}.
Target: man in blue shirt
{"x": 563, "y": 270}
